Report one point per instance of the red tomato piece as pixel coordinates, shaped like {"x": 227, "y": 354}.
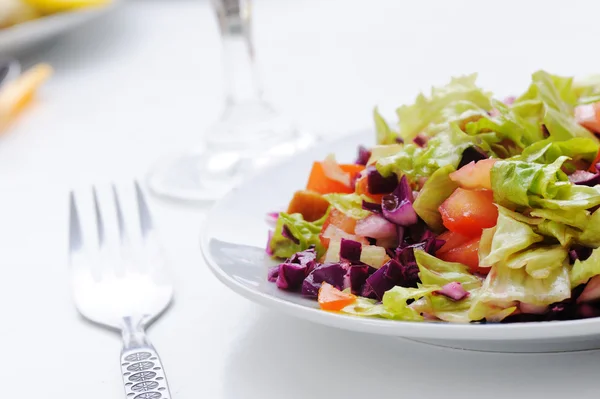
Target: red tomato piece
{"x": 330, "y": 298}
{"x": 588, "y": 116}
{"x": 467, "y": 254}
{"x": 451, "y": 241}
{"x": 468, "y": 212}
{"x": 474, "y": 175}
{"x": 337, "y": 219}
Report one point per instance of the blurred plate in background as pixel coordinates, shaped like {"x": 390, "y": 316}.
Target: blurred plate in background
{"x": 26, "y": 35}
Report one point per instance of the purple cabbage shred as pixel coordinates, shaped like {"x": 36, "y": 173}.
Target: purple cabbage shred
{"x": 378, "y": 184}
{"x": 363, "y": 155}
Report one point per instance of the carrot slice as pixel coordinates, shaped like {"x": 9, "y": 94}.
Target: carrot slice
{"x": 330, "y": 298}
{"x": 320, "y": 183}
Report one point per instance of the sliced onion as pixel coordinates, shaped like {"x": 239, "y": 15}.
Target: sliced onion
{"x": 375, "y": 226}
{"x": 397, "y": 206}
{"x": 453, "y": 290}
{"x": 333, "y": 171}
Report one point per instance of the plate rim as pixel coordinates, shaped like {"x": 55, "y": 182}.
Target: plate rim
{"x": 428, "y": 330}
{"x": 84, "y": 15}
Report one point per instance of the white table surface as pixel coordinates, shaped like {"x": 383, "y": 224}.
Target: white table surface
{"x": 144, "y": 81}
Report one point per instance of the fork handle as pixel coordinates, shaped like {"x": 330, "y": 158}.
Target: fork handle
{"x": 143, "y": 373}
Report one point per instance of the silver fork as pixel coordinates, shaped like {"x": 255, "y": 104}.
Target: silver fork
{"x": 124, "y": 290}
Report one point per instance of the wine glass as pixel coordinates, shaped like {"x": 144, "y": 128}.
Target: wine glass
{"x": 249, "y": 134}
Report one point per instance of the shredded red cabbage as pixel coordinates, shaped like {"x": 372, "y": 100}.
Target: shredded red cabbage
{"x": 385, "y": 278}
{"x": 291, "y": 276}
{"x": 335, "y": 274}
{"x": 378, "y": 184}
{"x": 397, "y": 207}
{"x": 350, "y": 250}
{"x": 372, "y": 207}
{"x": 363, "y": 155}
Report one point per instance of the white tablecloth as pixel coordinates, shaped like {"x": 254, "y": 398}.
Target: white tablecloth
{"x": 145, "y": 80}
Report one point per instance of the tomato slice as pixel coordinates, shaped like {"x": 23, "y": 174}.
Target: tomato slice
{"x": 362, "y": 188}
{"x": 330, "y": 298}
{"x": 468, "y": 212}
{"x": 451, "y": 241}
{"x": 474, "y": 175}
{"x": 320, "y": 183}
{"x": 588, "y": 116}
{"x": 467, "y": 253}
{"x": 339, "y": 220}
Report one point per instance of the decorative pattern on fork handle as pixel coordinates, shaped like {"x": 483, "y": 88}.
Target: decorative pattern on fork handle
{"x": 143, "y": 374}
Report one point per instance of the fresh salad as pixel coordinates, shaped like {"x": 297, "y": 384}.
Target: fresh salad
{"x": 471, "y": 209}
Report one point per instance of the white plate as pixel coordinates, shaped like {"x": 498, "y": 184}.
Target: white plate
{"x": 25, "y": 35}
{"x": 234, "y": 240}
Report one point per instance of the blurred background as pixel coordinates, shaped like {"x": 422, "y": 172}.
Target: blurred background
{"x": 134, "y": 80}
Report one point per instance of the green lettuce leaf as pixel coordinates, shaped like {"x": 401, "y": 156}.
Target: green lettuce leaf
{"x": 539, "y": 262}
{"x": 384, "y": 135}
{"x": 307, "y": 234}
{"x": 583, "y": 270}
{"x": 444, "y": 149}
{"x": 509, "y": 236}
{"x": 587, "y": 89}
{"x": 571, "y": 197}
{"x": 459, "y": 101}
{"x": 508, "y": 124}
{"x": 516, "y": 182}
{"x": 394, "y": 301}
{"x": 554, "y": 90}
{"x": 564, "y": 234}
{"x": 393, "y": 305}
{"x": 365, "y": 307}
{"x": 401, "y": 163}
{"x": 549, "y": 150}
{"x": 435, "y": 191}
{"x": 452, "y": 311}
{"x": 557, "y": 99}
{"x": 349, "y": 204}
{"x": 436, "y": 272}
{"x": 575, "y": 217}
{"x": 505, "y": 287}
{"x": 590, "y": 236}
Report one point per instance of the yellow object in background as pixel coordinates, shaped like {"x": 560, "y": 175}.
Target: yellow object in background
{"x": 16, "y": 94}
{"x": 14, "y": 12}
{"x": 53, "y": 6}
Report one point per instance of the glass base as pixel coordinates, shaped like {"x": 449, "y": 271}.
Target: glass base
{"x": 246, "y": 139}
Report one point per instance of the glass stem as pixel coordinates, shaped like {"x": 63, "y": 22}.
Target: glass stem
{"x": 241, "y": 77}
